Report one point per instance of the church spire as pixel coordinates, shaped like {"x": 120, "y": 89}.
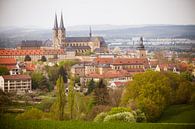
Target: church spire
{"x": 55, "y": 23}
{"x": 62, "y": 22}
{"x": 90, "y": 32}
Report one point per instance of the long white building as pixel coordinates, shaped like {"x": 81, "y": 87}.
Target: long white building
{"x": 15, "y": 83}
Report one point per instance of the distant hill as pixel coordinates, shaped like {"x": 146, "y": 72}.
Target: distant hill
{"x": 15, "y": 34}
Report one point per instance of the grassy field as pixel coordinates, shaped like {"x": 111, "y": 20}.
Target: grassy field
{"x": 179, "y": 114}
{"x": 43, "y": 124}
{"x": 175, "y": 117}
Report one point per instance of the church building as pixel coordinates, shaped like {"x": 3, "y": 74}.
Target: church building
{"x": 78, "y": 44}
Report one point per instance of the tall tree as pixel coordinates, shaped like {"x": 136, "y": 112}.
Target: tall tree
{"x": 71, "y": 98}
{"x": 101, "y": 95}
{"x": 91, "y": 86}
{"x": 63, "y": 73}
{"x": 61, "y": 97}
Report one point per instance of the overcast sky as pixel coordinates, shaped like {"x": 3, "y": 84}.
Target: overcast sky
{"x": 92, "y": 12}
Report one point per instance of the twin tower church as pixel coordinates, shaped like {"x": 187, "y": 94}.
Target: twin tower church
{"x": 78, "y": 44}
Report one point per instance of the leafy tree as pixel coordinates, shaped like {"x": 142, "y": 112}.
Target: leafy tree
{"x": 4, "y": 70}
{"x": 101, "y": 95}
{"x": 27, "y": 58}
{"x": 61, "y": 99}
{"x": 53, "y": 74}
{"x": 152, "y": 92}
{"x": 91, "y": 86}
{"x": 63, "y": 73}
{"x": 71, "y": 98}
{"x": 43, "y": 59}
{"x": 39, "y": 81}
{"x": 187, "y": 75}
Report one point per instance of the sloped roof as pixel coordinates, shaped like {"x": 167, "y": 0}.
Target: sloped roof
{"x": 7, "y": 61}
{"x": 16, "y": 77}
{"x": 23, "y": 52}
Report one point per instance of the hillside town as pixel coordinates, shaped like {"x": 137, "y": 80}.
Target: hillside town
{"x": 94, "y": 60}
{"x": 90, "y": 79}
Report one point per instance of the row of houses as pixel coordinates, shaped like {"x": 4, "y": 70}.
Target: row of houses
{"x": 117, "y": 71}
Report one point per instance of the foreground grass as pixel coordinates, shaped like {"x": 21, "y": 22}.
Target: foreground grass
{"x": 179, "y": 114}
{"x": 48, "y": 124}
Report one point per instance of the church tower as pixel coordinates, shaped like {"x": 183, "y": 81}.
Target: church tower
{"x": 61, "y": 31}
{"x": 141, "y": 49}
{"x": 55, "y": 40}
{"x": 90, "y": 32}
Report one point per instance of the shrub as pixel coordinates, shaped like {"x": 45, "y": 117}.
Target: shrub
{"x": 33, "y": 113}
{"x": 120, "y": 117}
{"x": 140, "y": 116}
{"x": 100, "y": 117}
{"x": 96, "y": 110}
{"x": 116, "y": 110}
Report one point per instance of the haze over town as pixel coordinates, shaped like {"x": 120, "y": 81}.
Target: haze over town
{"x": 40, "y": 13}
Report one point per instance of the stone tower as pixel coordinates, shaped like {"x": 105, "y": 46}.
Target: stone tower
{"x": 61, "y": 31}
{"x": 141, "y": 49}
{"x": 55, "y": 40}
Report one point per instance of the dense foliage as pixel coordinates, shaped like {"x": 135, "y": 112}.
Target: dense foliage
{"x": 39, "y": 81}
{"x": 58, "y": 106}
{"x": 152, "y": 92}
{"x": 101, "y": 95}
{"x": 121, "y": 114}
{"x": 4, "y": 70}
{"x": 91, "y": 86}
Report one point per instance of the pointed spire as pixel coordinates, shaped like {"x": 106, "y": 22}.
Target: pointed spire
{"x": 90, "y": 32}
{"x": 141, "y": 40}
{"x": 62, "y": 22}
{"x": 55, "y": 23}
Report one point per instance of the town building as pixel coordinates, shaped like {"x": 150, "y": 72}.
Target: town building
{"x": 35, "y": 54}
{"x": 30, "y": 44}
{"x": 78, "y": 44}
{"x": 15, "y": 83}
{"x": 11, "y": 65}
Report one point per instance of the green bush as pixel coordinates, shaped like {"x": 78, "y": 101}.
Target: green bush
{"x": 33, "y": 113}
{"x": 100, "y": 117}
{"x": 140, "y": 116}
{"x": 116, "y": 110}
{"x": 120, "y": 117}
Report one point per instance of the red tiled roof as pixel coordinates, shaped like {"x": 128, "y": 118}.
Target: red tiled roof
{"x": 16, "y": 77}
{"x": 110, "y": 74}
{"x": 21, "y": 52}
{"x": 103, "y": 60}
{"x": 30, "y": 67}
{"x": 120, "y": 83}
{"x": 7, "y": 61}
{"x": 121, "y": 61}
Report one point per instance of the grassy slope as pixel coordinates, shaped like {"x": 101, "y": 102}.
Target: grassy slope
{"x": 179, "y": 114}
{"x": 32, "y": 124}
